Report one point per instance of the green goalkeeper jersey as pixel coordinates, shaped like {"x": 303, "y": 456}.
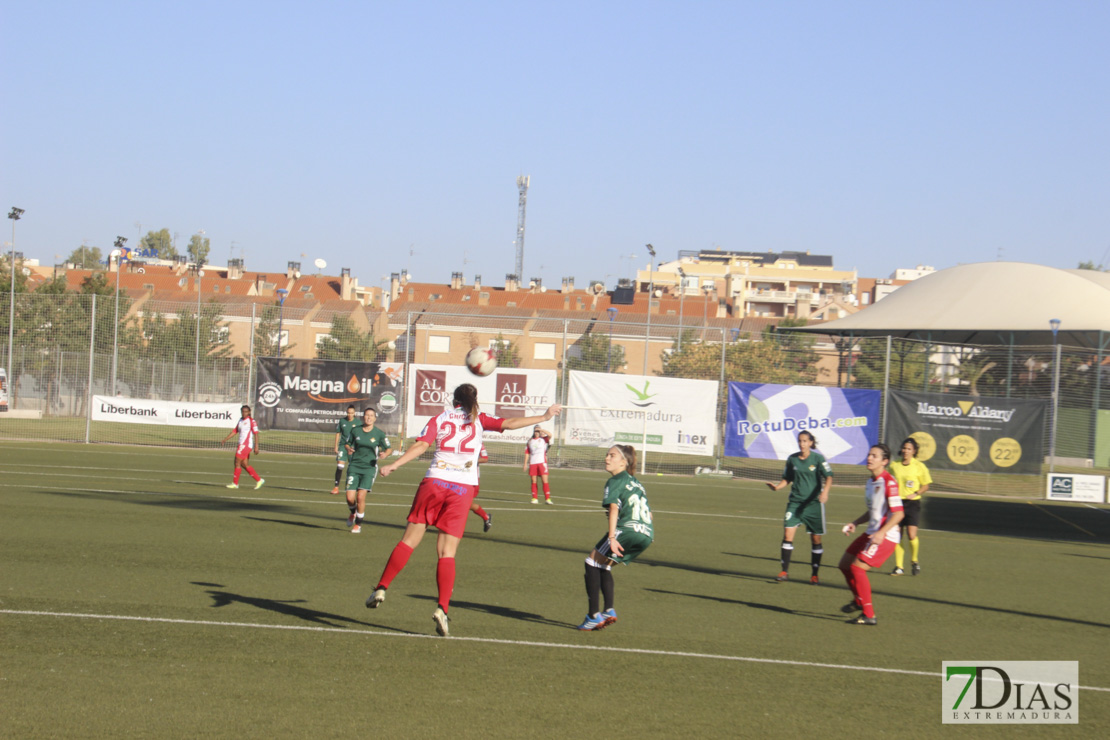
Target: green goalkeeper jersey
{"x": 633, "y": 513}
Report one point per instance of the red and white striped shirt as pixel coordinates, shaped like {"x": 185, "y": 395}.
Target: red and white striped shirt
{"x": 882, "y": 500}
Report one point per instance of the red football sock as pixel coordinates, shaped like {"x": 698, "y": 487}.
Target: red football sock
{"x": 397, "y": 561}
{"x": 251, "y": 473}
{"x": 479, "y": 511}
{"x": 445, "y": 579}
{"x": 546, "y": 491}
{"x": 235, "y": 476}
{"x": 533, "y": 489}
{"x": 863, "y": 590}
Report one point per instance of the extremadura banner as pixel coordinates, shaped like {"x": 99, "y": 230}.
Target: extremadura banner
{"x": 764, "y": 420}
{"x": 987, "y": 435}
{"x": 313, "y": 395}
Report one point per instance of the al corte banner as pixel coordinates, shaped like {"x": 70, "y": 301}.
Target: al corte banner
{"x": 764, "y": 420}
{"x": 313, "y": 395}
{"x": 676, "y": 414}
{"x": 431, "y": 388}
{"x": 172, "y": 413}
{"x": 987, "y": 435}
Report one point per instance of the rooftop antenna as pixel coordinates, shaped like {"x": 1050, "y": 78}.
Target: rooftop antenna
{"x": 522, "y": 184}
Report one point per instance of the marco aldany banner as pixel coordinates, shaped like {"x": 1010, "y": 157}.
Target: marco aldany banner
{"x": 313, "y": 395}
{"x": 171, "y": 413}
{"x": 432, "y": 386}
{"x": 986, "y": 435}
{"x": 678, "y": 415}
{"x": 764, "y": 420}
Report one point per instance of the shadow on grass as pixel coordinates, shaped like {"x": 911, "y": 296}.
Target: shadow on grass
{"x": 498, "y": 611}
{"x": 1039, "y": 520}
{"x": 753, "y": 605}
{"x": 287, "y": 608}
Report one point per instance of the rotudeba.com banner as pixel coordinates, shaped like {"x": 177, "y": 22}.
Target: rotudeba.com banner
{"x": 764, "y": 420}
{"x": 432, "y": 387}
{"x": 171, "y": 413}
{"x": 313, "y": 395}
{"x": 658, "y": 414}
{"x": 986, "y": 435}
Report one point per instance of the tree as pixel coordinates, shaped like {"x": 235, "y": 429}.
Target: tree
{"x": 86, "y": 258}
{"x": 773, "y": 359}
{"x": 199, "y": 246}
{"x": 345, "y": 342}
{"x": 506, "y": 351}
{"x": 593, "y": 352}
{"x": 160, "y": 242}
{"x": 266, "y": 339}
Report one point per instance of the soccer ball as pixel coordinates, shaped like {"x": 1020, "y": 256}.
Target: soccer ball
{"x": 480, "y": 361}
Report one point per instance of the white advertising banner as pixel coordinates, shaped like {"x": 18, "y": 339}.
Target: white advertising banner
{"x": 432, "y": 386}
{"x": 1068, "y": 487}
{"x": 174, "y": 413}
{"x": 677, "y": 415}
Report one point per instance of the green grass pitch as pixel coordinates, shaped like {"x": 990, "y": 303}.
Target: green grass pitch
{"x": 141, "y": 598}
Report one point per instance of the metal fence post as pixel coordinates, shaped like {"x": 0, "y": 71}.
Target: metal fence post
{"x": 92, "y": 355}
{"x": 250, "y": 360}
{"x": 722, "y": 413}
{"x": 886, "y": 390}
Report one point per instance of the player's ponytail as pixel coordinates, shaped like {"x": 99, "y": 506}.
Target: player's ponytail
{"x": 466, "y": 398}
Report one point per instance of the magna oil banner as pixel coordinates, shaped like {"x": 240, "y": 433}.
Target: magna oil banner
{"x": 987, "y": 435}
{"x": 431, "y": 388}
{"x": 313, "y": 395}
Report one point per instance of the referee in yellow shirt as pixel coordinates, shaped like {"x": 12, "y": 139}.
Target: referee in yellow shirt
{"x": 913, "y": 481}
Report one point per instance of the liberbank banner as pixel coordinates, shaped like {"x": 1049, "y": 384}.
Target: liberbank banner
{"x": 675, "y": 414}
{"x": 431, "y": 388}
{"x": 764, "y": 420}
{"x": 987, "y": 435}
{"x": 313, "y": 395}
{"x": 172, "y": 413}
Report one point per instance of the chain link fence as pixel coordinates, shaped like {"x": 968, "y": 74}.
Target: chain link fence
{"x": 69, "y": 347}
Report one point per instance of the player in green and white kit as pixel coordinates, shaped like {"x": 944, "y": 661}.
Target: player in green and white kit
{"x": 810, "y": 477}
{"x": 630, "y": 533}
{"x": 342, "y": 431}
{"x": 365, "y": 445}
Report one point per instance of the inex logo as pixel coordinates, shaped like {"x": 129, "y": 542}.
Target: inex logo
{"x": 269, "y": 394}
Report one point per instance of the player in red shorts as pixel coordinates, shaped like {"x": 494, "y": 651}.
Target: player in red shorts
{"x": 535, "y": 463}
{"x": 487, "y": 519}
{"x": 247, "y": 429}
{"x": 444, "y": 496}
{"x": 871, "y": 549}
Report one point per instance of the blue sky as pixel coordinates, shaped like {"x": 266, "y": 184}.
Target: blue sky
{"x": 388, "y": 135}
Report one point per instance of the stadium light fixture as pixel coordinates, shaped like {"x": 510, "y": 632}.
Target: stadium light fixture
{"x": 117, "y": 253}
{"x": 14, "y": 214}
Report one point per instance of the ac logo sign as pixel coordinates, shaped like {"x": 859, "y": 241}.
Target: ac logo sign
{"x": 1010, "y": 692}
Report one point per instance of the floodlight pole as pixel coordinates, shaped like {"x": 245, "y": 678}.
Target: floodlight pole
{"x": 1055, "y": 326}
{"x": 612, "y": 311}
{"x": 681, "y": 300}
{"x": 282, "y": 292}
{"x": 118, "y": 254}
{"x": 651, "y": 293}
{"x": 14, "y": 214}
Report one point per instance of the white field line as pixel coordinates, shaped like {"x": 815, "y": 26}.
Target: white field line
{"x": 490, "y": 641}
